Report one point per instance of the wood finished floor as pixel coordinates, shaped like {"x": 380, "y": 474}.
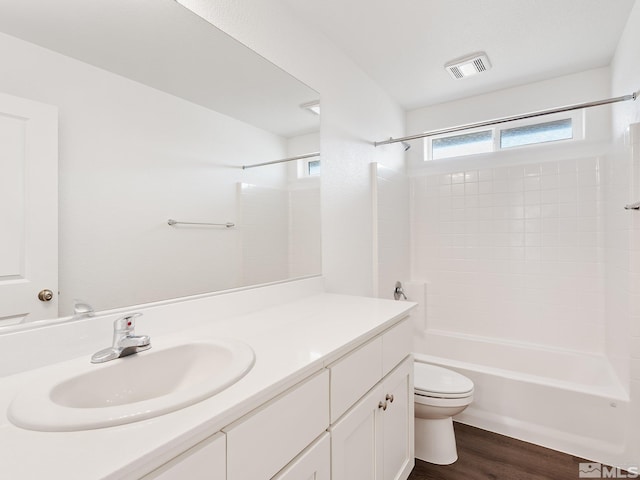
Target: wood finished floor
{"x": 485, "y": 455}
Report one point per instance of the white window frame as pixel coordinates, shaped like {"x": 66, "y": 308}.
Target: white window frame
{"x": 577, "y": 127}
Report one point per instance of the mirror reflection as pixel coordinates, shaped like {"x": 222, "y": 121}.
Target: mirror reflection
{"x": 157, "y": 113}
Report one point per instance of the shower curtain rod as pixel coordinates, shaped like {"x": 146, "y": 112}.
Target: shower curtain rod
{"x": 290, "y": 159}
{"x": 497, "y": 121}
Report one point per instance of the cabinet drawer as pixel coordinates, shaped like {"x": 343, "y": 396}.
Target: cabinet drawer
{"x": 397, "y": 343}
{"x": 312, "y": 464}
{"x": 261, "y": 444}
{"x": 354, "y": 375}
{"x": 205, "y": 461}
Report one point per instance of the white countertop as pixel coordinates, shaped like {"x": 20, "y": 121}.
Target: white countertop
{"x": 291, "y": 341}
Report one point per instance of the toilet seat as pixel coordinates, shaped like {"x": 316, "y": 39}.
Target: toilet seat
{"x": 437, "y": 382}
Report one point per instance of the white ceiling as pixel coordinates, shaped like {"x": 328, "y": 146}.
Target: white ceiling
{"x": 404, "y": 44}
{"x": 163, "y": 45}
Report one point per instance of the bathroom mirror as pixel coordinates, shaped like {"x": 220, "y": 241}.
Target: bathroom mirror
{"x": 158, "y": 111}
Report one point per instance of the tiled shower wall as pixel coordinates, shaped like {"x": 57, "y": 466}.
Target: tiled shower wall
{"x": 305, "y": 257}
{"x": 264, "y": 223}
{"x": 515, "y": 253}
{"x": 280, "y": 232}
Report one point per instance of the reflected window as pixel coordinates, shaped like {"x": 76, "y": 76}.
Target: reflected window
{"x": 313, "y": 168}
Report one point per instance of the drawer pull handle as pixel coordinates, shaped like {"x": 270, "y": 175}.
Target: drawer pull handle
{"x": 382, "y": 405}
{"x": 389, "y": 398}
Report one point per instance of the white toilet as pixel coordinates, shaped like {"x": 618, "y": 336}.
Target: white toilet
{"x": 439, "y": 395}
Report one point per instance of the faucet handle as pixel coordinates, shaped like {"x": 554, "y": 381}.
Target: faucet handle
{"x": 399, "y": 291}
{"x": 126, "y": 323}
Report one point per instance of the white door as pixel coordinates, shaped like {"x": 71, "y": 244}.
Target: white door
{"x": 28, "y": 210}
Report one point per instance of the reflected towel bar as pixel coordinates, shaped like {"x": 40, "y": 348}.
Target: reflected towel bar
{"x": 175, "y": 222}
{"x": 632, "y": 206}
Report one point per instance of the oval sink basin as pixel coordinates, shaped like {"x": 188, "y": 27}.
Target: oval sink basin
{"x": 132, "y": 388}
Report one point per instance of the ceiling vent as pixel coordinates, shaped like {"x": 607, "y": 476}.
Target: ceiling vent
{"x": 468, "y": 65}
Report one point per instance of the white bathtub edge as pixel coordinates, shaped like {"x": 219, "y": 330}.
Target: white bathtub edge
{"x": 615, "y": 391}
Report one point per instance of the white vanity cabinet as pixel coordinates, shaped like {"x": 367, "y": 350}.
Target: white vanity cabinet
{"x": 205, "y": 461}
{"x": 373, "y": 440}
{"x": 351, "y": 420}
{"x": 260, "y": 444}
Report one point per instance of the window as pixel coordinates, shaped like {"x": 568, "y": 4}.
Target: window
{"x": 504, "y": 136}
{"x": 459, "y": 145}
{"x": 536, "y": 133}
{"x": 308, "y": 167}
{"x": 313, "y": 168}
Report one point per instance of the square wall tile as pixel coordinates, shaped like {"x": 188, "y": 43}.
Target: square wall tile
{"x": 532, "y": 170}
{"x": 549, "y": 168}
{"x": 457, "y": 177}
{"x": 485, "y": 175}
{"x": 471, "y": 176}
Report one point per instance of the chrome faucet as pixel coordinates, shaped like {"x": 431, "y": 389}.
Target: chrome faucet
{"x": 399, "y": 291}
{"x": 81, "y": 309}
{"x": 125, "y": 342}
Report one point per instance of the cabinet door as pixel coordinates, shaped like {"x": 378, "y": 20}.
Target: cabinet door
{"x": 312, "y": 464}
{"x": 398, "y": 422}
{"x": 356, "y": 446}
{"x": 205, "y": 461}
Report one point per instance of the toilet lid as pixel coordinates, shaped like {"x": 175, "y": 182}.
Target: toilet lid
{"x": 432, "y": 379}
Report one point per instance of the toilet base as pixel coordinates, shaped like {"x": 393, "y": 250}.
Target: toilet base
{"x": 435, "y": 441}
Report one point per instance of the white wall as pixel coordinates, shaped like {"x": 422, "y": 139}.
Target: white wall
{"x": 625, "y": 78}
{"x": 391, "y": 245}
{"x": 625, "y": 75}
{"x": 355, "y": 112}
{"x": 132, "y": 157}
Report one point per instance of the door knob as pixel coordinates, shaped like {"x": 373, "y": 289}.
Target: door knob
{"x": 382, "y": 405}
{"x": 45, "y": 295}
{"x": 389, "y": 398}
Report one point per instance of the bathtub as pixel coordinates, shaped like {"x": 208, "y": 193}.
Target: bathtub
{"x": 569, "y": 401}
